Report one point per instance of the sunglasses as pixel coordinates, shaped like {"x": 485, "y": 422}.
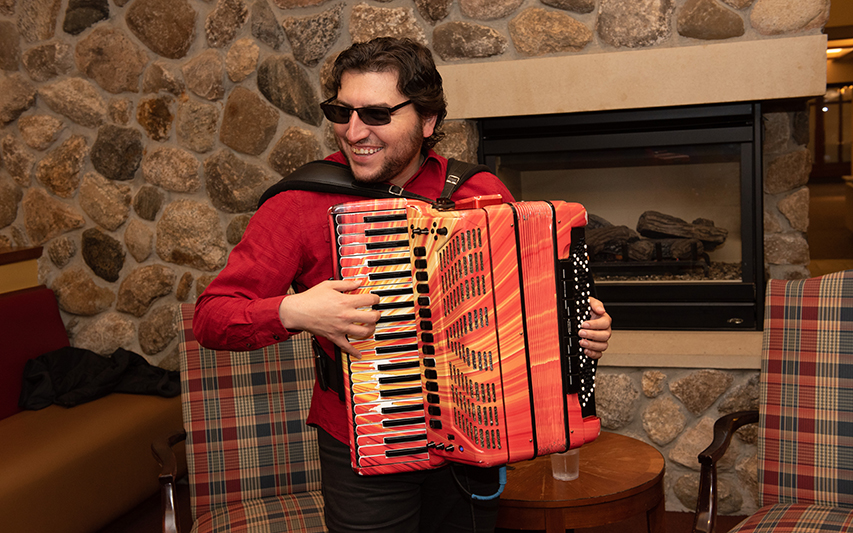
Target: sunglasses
{"x": 371, "y": 115}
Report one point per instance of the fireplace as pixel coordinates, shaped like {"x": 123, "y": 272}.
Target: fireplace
{"x": 675, "y": 203}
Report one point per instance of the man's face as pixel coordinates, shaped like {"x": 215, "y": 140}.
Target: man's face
{"x": 390, "y": 152}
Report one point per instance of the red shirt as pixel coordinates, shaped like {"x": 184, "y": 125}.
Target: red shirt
{"x": 287, "y": 242}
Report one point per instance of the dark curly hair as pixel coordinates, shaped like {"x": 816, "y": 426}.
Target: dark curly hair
{"x": 418, "y": 79}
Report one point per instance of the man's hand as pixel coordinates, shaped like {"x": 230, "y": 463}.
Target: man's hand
{"x": 328, "y": 311}
{"x": 595, "y": 332}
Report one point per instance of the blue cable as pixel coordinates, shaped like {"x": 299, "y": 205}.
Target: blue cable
{"x": 501, "y": 481}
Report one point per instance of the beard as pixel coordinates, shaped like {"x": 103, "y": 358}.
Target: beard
{"x": 397, "y": 157}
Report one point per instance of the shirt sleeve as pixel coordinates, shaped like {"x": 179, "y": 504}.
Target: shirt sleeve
{"x": 239, "y": 309}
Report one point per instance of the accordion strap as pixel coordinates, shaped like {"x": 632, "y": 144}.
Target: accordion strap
{"x": 331, "y": 177}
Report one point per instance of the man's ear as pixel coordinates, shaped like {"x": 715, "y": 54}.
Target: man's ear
{"x": 429, "y": 125}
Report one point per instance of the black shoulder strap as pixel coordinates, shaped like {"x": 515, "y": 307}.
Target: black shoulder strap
{"x": 332, "y": 177}
{"x": 458, "y": 173}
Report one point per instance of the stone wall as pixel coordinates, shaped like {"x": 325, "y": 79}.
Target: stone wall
{"x": 137, "y": 136}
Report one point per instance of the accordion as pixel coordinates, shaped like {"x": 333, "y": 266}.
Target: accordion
{"x": 475, "y": 358}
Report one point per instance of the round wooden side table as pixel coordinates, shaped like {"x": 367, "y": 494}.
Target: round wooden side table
{"x": 620, "y": 478}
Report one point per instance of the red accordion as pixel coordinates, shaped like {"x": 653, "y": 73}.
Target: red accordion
{"x": 475, "y": 358}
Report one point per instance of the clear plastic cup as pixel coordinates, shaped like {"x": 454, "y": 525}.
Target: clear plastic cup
{"x": 565, "y": 466}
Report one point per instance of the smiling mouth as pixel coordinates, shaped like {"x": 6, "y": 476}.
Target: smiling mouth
{"x": 364, "y": 151}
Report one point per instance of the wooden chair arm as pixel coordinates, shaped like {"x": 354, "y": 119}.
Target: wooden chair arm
{"x": 168, "y": 461}
{"x": 706, "y": 504}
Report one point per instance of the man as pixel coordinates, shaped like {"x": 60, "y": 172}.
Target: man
{"x": 387, "y": 109}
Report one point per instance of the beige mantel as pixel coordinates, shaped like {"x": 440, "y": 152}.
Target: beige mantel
{"x": 767, "y": 69}
{"x": 684, "y": 349}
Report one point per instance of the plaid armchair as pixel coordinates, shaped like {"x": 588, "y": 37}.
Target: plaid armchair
{"x": 805, "y": 448}
{"x": 253, "y": 463}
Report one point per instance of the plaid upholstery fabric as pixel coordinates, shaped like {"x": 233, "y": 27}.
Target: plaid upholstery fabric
{"x": 806, "y": 423}
{"x": 798, "y": 518}
{"x": 805, "y": 449}
{"x": 253, "y": 463}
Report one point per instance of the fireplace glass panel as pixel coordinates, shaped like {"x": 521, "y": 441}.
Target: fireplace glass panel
{"x": 674, "y": 199}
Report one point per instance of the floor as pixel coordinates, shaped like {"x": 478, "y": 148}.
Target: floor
{"x": 830, "y": 241}
{"x": 145, "y": 519}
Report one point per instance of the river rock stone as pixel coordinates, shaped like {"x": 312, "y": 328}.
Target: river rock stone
{"x": 17, "y": 95}
{"x": 296, "y": 147}
{"x": 739, "y": 4}
{"x": 463, "y": 40}
{"x": 106, "y": 334}
{"x": 795, "y": 207}
{"x": 233, "y": 185}
{"x": 241, "y": 59}
{"x": 61, "y": 250}
{"x": 78, "y": 294}
{"x": 708, "y": 20}
{"x": 224, "y": 21}
{"x": 741, "y": 398}
{"x": 577, "y": 6}
{"x": 46, "y": 217}
{"x": 290, "y": 4}
{"x": 777, "y": 132}
{"x": 729, "y": 499}
{"x": 18, "y": 160}
{"x": 111, "y": 59}
{"x": 10, "y": 196}
{"x": 142, "y": 287}
{"x": 537, "y": 32}
{"x": 10, "y": 46}
{"x": 159, "y": 328}
{"x": 105, "y": 201}
{"x": 433, "y": 10}
{"x": 60, "y": 171}
{"x": 160, "y": 76}
{"x": 81, "y": 14}
{"x": 787, "y": 172}
{"x": 37, "y": 19}
{"x": 139, "y": 240}
{"x": 236, "y": 228}
{"x": 172, "y": 169}
{"x": 634, "y": 23}
{"x": 248, "y": 124}
{"x": 45, "y": 61}
{"x": 204, "y": 75}
{"x": 185, "y": 285}
{"x": 287, "y": 86}
{"x": 155, "y": 116}
{"x": 40, "y": 131}
{"x": 786, "y": 249}
{"x": 775, "y": 17}
{"x": 147, "y": 202}
{"x": 747, "y": 474}
{"x": 699, "y": 390}
{"x": 615, "y": 399}
{"x": 653, "y": 381}
{"x": 367, "y": 22}
{"x": 102, "y": 253}
{"x": 692, "y": 442}
{"x": 117, "y": 152}
{"x": 460, "y": 140}
{"x": 264, "y": 25}
{"x": 488, "y": 9}
{"x": 188, "y": 233}
{"x": 76, "y": 99}
{"x": 196, "y": 126}
{"x": 663, "y": 421}
{"x": 119, "y": 110}
{"x": 167, "y": 27}
{"x": 312, "y": 36}
{"x": 202, "y": 282}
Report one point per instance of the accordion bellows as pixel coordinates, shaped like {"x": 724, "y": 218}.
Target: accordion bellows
{"x": 475, "y": 358}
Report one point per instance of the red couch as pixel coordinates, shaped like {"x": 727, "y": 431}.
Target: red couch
{"x": 73, "y": 469}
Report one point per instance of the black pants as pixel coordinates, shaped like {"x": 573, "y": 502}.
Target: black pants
{"x": 423, "y": 501}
